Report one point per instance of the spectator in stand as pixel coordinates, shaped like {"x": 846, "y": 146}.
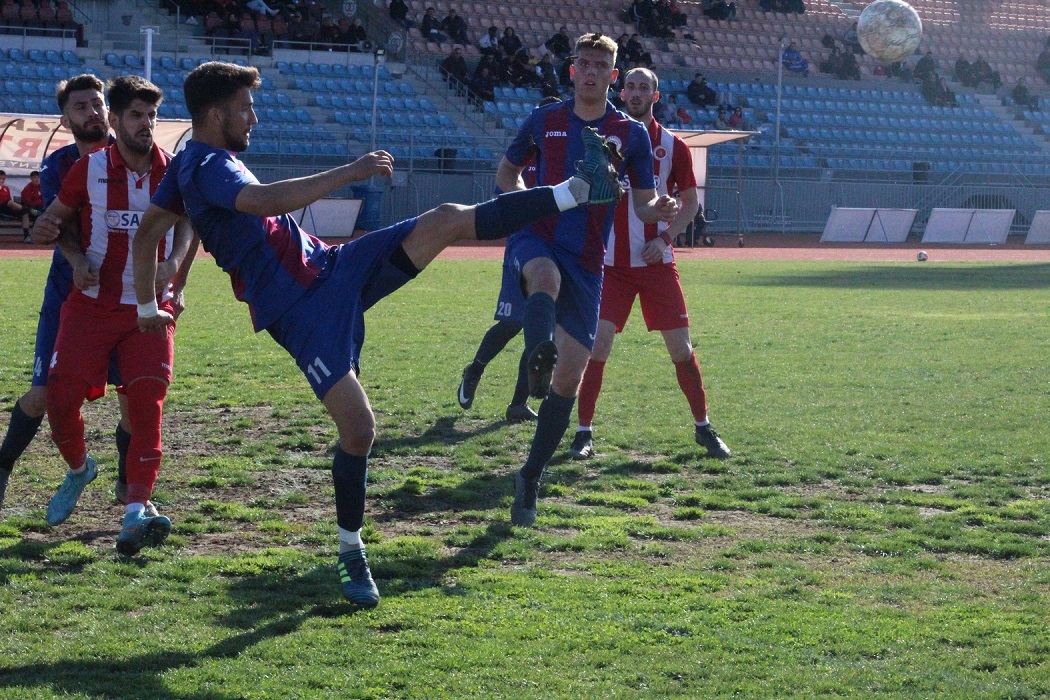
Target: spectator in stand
{"x": 635, "y": 52}
{"x": 982, "y": 72}
{"x": 565, "y": 73}
{"x": 721, "y": 122}
{"x": 1042, "y": 65}
{"x": 311, "y": 27}
{"x": 329, "y": 31}
{"x": 260, "y": 7}
{"x": 213, "y": 24}
{"x": 545, "y": 70}
{"x": 926, "y": 67}
{"x": 719, "y": 10}
{"x": 677, "y": 116}
{"x": 280, "y": 27}
{"x": 559, "y": 44}
{"x": 456, "y": 27}
{"x": 65, "y": 20}
{"x": 296, "y": 29}
{"x": 483, "y": 86}
{"x": 9, "y": 208}
{"x": 430, "y": 27}
{"x": 510, "y": 43}
{"x": 399, "y": 13}
{"x": 1021, "y": 95}
{"x": 678, "y": 18}
{"x": 494, "y": 64}
{"x": 246, "y": 30}
{"x": 851, "y": 39}
{"x": 700, "y": 93}
{"x": 47, "y": 13}
{"x": 264, "y": 28}
{"x": 488, "y": 45}
{"x": 791, "y": 6}
{"x": 32, "y": 204}
{"x": 793, "y": 61}
{"x": 964, "y": 72}
{"x": 521, "y": 71}
{"x": 28, "y": 15}
{"x": 454, "y": 67}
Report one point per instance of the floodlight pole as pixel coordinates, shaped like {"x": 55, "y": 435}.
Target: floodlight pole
{"x": 379, "y": 54}
{"x": 149, "y": 32}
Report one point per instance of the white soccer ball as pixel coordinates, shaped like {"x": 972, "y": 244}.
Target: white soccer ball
{"x": 889, "y": 30}
{"x": 922, "y": 256}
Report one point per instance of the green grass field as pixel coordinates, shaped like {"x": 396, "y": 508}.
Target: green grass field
{"x": 883, "y": 529}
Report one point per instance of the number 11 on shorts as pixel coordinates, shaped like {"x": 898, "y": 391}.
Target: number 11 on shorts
{"x": 315, "y": 367}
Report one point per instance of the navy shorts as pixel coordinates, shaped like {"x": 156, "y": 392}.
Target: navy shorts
{"x": 510, "y": 307}
{"x": 324, "y": 330}
{"x": 576, "y": 309}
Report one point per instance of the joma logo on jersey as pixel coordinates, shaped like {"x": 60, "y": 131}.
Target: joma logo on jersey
{"x": 549, "y": 134}
{"x": 116, "y": 218}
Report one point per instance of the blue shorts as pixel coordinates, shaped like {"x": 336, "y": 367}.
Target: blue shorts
{"x": 59, "y": 282}
{"x": 510, "y": 307}
{"x": 576, "y": 309}
{"x": 325, "y": 329}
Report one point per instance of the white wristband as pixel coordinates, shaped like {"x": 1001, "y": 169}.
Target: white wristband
{"x": 149, "y": 309}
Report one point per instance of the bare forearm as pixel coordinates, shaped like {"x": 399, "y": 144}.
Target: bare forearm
{"x": 154, "y": 225}
{"x": 690, "y": 204}
{"x": 187, "y": 262}
{"x": 508, "y": 177}
{"x": 69, "y": 245}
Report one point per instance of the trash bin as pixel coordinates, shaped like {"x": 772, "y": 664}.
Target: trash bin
{"x": 371, "y": 197}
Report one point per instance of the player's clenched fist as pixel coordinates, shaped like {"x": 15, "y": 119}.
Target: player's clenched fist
{"x": 46, "y": 229}
{"x": 157, "y": 323}
{"x": 667, "y": 208}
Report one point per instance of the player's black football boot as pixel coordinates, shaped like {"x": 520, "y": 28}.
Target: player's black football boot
{"x": 542, "y": 361}
{"x": 707, "y": 437}
{"x": 597, "y": 169}
{"x": 469, "y": 386}
{"x": 520, "y": 413}
{"x": 582, "y": 446}
{"x": 526, "y": 493}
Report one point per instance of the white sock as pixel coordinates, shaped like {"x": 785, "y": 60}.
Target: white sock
{"x": 702, "y": 423}
{"x": 583, "y": 429}
{"x": 350, "y": 540}
{"x": 134, "y": 508}
{"x": 563, "y": 197}
{"x": 80, "y": 469}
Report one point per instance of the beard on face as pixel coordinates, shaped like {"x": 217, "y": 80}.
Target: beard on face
{"x": 235, "y": 141}
{"x": 96, "y": 131}
{"x": 134, "y": 142}
{"x": 638, "y": 112}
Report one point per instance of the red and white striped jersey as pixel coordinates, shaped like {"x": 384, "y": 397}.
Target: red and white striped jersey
{"x": 112, "y": 199}
{"x": 673, "y": 168}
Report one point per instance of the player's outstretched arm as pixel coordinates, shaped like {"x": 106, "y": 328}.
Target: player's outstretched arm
{"x": 154, "y": 225}
{"x": 289, "y": 195}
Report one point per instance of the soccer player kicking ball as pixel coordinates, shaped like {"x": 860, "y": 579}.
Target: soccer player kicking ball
{"x": 560, "y": 260}
{"x": 310, "y": 297}
{"x": 109, "y": 190}
{"x": 639, "y": 262}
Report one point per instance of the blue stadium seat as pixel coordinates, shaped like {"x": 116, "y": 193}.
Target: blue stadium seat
{"x": 132, "y": 61}
{"x": 311, "y": 69}
{"x": 303, "y": 117}
{"x": 112, "y": 60}
{"x": 322, "y": 100}
{"x": 71, "y": 58}
{"x": 405, "y": 89}
{"x": 339, "y": 70}
{"x": 16, "y": 55}
{"x": 283, "y": 100}
{"x": 325, "y": 69}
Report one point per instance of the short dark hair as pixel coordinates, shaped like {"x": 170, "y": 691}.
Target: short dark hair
{"x": 35, "y": 173}
{"x": 125, "y": 89}
{"x": 214, "y": 83}
{"x": 3, "y": 173}
{"x": 84, "y": 81}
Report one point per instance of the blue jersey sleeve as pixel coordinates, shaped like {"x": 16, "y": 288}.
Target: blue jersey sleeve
{"x": 523, "y": 147}
{"x": 50, "y": 180}
{"x": 168, "y": 196}
{"x": 220, "y": 179}
{"x": 640, "y": 159}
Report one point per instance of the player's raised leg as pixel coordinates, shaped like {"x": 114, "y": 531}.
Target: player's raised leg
{"x": 66, "y": 393}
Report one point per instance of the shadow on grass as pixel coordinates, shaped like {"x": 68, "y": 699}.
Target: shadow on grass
{"x": 269, "y": 606}
{"x": 442, "y": 433}
{"x": 930, "y": 277}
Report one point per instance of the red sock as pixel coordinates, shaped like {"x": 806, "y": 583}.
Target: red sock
{"x": 589, "y": 389}
{"x": 688, "y": 372}
{"x": 65, "y": 396}
{"x": 145, "y": 408}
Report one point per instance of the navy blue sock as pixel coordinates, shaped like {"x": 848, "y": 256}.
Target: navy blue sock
{"x": 539, "y": 320}
{"x": 349, "y": 475}
{"x": 20, "y": 432}
{"x": 123, "y": 439}
{"x": 551, "y": 425}
{"x": 521, "y": 388}
{"x": 496, "y": 338}
{"x": 513, "y": 211}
